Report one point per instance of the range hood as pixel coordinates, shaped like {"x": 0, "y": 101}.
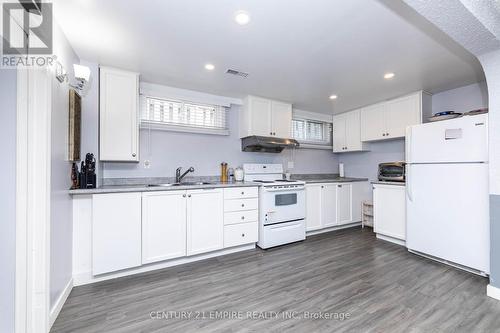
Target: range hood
{"x": 265, "y": 144}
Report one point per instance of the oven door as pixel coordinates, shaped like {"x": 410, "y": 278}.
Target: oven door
{"x": 282, "y": 205}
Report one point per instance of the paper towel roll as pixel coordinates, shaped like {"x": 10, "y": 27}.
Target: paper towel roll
{"x": 341, "y": 170}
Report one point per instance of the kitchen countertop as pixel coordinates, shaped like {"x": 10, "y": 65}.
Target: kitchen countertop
{"x": 334, "y": 180}
{"x": 123, "y": 185}
{"x": 382, "y": 182}
{"x": 145, "y": 188}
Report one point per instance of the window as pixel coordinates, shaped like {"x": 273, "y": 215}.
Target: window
{"x": 312, "y": 132}
{"x": 184, "y": 116}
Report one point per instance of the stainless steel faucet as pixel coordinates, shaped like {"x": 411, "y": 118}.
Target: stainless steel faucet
{"x": 178, "y": 176}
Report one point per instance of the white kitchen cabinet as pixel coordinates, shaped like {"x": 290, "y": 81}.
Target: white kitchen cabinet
{"x": 372, "y": 121}
{"x": 389, "y": 212}
{"x": 116, "y": 232}
{"x": 347, "y": 132}
{"x": 328, "y": 205}
{"x": 313, "y": 207}
{"x": 118, "y": 115}
{"x": 265, "y": 117}
{"x": 205, "y": 221}
{"x": 401, "y": 113}
{"x": 260, "y": 116}
{"x": 389, "y": 119}
{"x": 344, "y": 203}
{"x": 334, "y": 204}
{"x": 281, "y": 119}
{"x": 163, "y": 225}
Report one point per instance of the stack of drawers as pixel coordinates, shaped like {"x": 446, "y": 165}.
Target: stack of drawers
{"x": 241, "y": 216}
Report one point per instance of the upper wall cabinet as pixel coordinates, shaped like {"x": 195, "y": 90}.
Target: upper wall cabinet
{"x": 388, "y": 120}
{"x": 118, "y": 115}
{"x": 346, "y": 132}
{"x": 265, "y": 117}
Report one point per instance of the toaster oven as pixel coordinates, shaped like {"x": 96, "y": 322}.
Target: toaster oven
{"x": 391, "y": 171}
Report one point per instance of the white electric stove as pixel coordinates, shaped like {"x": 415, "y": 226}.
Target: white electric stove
{"x": 282, "y": 205}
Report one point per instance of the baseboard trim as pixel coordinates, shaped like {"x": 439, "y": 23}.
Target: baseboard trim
{"x": 87, "y": 277}
{"x": 340, "y": 227}
{"x": 56, "y": 309}
{"x": 391, "y": 239}
{"x": 493, "y": 292}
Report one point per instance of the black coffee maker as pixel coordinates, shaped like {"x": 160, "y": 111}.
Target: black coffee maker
{"x": 88, "y": 178}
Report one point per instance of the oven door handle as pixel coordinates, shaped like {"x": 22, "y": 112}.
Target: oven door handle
{"x": 288, "y": 225}
{"x": 284, "y": 189}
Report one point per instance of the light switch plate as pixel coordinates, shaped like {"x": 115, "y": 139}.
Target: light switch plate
{"x": 290, "y": 165}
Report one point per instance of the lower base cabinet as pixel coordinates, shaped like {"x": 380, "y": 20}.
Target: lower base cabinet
{"x": 205, "y": 221}
{"x": 163, "y": 225}
{"x": 334, "y": 204}
{"x": 116, "y": 232}
{"x": 389, "y": 211}
{"x": 134, "y": 229}
{"x": 243, "y": 233}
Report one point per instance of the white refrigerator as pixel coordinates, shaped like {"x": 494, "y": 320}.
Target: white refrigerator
{"x": 447, "y": 200}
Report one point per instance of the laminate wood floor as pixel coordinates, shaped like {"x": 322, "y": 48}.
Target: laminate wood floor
{"x": 375, "y": 285}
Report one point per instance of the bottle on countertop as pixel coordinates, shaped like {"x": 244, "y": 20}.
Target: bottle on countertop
{"x": 223, "y": 172}
{"x": 230, "y": 175}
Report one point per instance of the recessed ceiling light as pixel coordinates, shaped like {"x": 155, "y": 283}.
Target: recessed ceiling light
{"x": 388, "y": 76}
{"x": 333, "y": 97}
{"x": 241, "y": 17}
{"x": 209, "y": 67}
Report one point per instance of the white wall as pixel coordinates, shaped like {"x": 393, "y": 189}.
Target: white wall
{"x": 61, "y": 202}
{"x": 467, "y": 98}
{"x": 168, "y": 150}
{"x": 365, "y": 164}
{"x": 8, "y": 104}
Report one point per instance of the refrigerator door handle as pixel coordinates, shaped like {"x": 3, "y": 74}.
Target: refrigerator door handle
{"x": 408, "y": 183}
{"x": 408, "y": 144}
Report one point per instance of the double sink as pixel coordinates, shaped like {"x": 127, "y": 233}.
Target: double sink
{"x": 180, "y": 184}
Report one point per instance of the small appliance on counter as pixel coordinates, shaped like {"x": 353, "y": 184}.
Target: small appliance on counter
{"x": 239, "y": 174}
{"x": 88, "y": 178}
{"x": 391, "y": 171}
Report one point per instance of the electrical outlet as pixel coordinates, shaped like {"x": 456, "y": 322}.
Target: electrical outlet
{"x": 147, "y": 164}
{"x": 290, "y": 165}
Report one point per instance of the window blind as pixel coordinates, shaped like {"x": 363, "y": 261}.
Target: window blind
{"x": 186, "y": 115}
{"x": 312, "y": 132}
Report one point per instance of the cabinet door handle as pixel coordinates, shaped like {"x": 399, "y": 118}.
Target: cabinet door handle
{"x": 134, "y": 154}
{"x": 189, "y": 195}
{"x": 339, "y": 185}
{"x": 270, "y": 133}
{"x": 387, "y": 134}
{"x": 183, "y": 195}
{"x": 242, "y": 217}
{"x": 242, "y": 193}
{"x": 383, "y": 134}
{"x": 242, "y": 235}
{"x": 242, "y": 205}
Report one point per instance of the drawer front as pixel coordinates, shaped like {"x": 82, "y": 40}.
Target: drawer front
{"x": 241, "y": 192}
{"x": 239, "y": 234}
{"x": 240, "y": 204}
{"x": 241, "y": 217}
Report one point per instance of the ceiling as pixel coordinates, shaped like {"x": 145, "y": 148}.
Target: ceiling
{"x": 299, "y": 51}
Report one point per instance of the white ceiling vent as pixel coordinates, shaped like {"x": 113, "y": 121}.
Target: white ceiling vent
{"x": 235, "y": 72}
